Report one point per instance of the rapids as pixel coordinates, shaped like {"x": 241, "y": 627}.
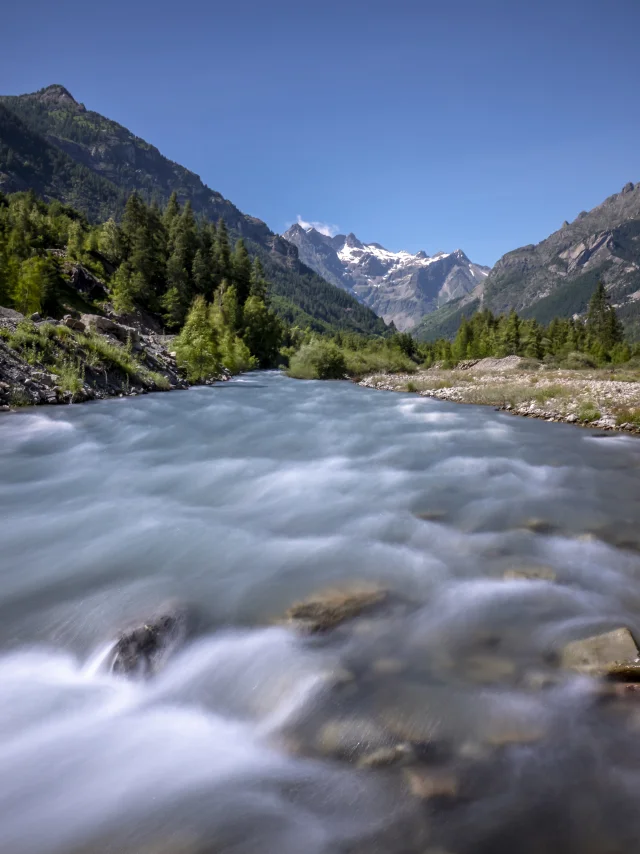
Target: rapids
{"x": 235, "y": 501}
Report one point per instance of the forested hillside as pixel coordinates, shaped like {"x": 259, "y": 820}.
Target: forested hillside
{"x": 52, "y": 144}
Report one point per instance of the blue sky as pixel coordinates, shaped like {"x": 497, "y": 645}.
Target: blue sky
{"x": 480, "y": 124}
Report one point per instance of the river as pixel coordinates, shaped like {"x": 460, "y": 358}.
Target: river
{"x": 237, "y": 500}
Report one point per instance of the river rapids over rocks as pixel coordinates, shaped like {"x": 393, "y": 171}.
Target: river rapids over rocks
{"x": 177, "y": 532}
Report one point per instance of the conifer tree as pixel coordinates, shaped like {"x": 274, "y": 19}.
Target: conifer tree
{"x": 223, "y": 254}
{"x": 31, "y": 285}
{"x": 258, "y": 282}
{"x": 197, "y": 347}
{"x": 169, "y": 218}
{"x": 241, "y": 272}
{"x": 262, "y": 332}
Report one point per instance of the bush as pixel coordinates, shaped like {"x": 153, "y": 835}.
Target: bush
{"x": 588, "y": 411}
{"x": 579, "y": 361}
{"x": 628, "y": 416}
{"x": 70, "y": 376}
{"x": 318, "y": 360}
{"x": 412, "y": 387}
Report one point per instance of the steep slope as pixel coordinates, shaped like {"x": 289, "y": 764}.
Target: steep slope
{"x": 557, "y": 276}
{"x": 28, "y": 161}
{"x": 110, "y": 162}
{"x": 398, "y": 286}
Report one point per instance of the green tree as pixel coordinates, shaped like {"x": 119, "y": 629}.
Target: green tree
{"x": 242, "y": 272}
{"x": 197, "y": 348}
{"x": 262, "y": 332}
{"x": 222, "y": 254}
{"x": 258, "y": 282}
{"x": 603, "y": 328}
{"x": 31, "y": 285}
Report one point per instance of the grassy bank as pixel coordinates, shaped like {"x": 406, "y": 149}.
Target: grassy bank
{"x": 603, "y": 398}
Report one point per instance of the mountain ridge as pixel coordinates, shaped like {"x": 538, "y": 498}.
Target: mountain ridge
{"x": 557, "y": 275}
{"x": 401, "y": 287}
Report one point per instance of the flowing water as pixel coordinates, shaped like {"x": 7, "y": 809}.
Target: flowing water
{"x": 235, "y": 502}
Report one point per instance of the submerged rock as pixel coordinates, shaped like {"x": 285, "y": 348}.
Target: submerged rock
{"x": 533, "y": 573}
{"x": 326, "y": 610}
{"x": 599, "y": 654}
{"x": 427, "y": 784}
{"x": 351, "y": 738}
{"x": 142, "y": 650}
{"x": 386, "y": 756}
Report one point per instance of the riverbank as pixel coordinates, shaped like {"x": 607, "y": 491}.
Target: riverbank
{"x": 83, "y": 357}
{"x": 604, "y": 399}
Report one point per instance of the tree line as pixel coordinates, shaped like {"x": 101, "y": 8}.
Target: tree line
{"x": 206, "y": 288}
{"x": 598, "y": 336}
{"x": 167, "y": 262}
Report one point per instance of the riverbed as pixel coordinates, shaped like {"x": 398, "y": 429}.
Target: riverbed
{"x": 499, "y": 540}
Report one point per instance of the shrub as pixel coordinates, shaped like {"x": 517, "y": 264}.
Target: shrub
{"x": 588, "y": 411}
{"x": 318, "y": 360}
{"x": 628, "y": 416}
{"x": 579, "y": 361}
{"x": 70, "y": 376}
{"x": 412, "y": 387}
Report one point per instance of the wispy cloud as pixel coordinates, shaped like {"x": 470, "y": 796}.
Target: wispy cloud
{"x": 323, "y": 227}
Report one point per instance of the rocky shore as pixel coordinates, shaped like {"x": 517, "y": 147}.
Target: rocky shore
{"x": 83, "y": 357}
{"x": 606, "y": 400}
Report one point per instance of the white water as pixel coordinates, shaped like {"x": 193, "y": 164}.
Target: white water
{"x": 238, "y": 500}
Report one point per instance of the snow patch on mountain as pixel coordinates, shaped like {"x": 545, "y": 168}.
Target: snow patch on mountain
{"x": 399, "y": 286}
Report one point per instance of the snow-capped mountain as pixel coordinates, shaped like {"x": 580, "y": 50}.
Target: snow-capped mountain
{"x": 398, "y": 286}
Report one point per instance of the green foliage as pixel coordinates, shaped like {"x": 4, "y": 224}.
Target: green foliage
{"x": 588, "y": 411}
{"x": 628, "y": 416}
{"x": 70, "y": 375}
{"x": 572, "y": 343}
{"x": 197, "y": 345}
{"x": 262, "y": 332}
{"x": 318, "y": 360}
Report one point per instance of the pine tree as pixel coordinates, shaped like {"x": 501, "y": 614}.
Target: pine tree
{"x": 462, "y": 344}
{"x": 603, "y": 328}
{"x": 242, "y": 273}
{"x": 169, "y": 218}
{"x": 262, "y": 332}
{"x": 258, "y": 281}
{"x": 509, "y": 337}
{"x": 223, "y": 254}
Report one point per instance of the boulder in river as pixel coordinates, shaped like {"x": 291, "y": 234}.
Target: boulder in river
{"x": 327, "y": 609}
{"x": 600, "y": 654}
{"x": 142, "y": 649}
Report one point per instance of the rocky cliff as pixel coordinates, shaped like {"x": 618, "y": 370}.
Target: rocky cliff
{"x": 557, "y": 276}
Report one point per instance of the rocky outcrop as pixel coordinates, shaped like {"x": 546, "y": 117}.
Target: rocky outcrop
{"x": 557, "y": 276}
{"x": 47, "y": 361}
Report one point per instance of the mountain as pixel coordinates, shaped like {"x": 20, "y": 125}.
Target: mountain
{"x": 28, "y": 161}
{"x": 51, "y": 143}
{"x": 556, "y": 277}
{"x": 398, "y": 286}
